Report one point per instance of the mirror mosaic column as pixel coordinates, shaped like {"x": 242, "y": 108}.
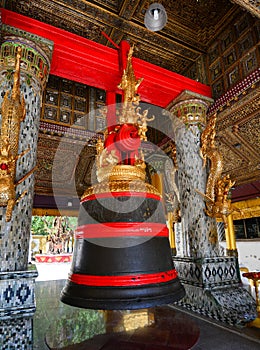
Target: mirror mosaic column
{"x": 17, "y": 277}
{"x": 211, "y": 279}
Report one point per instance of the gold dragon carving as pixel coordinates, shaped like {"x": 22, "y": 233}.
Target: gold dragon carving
{"x": 173, "y": 197}
{"x": 218, "y": 203}
{"x": 13, "y": 113}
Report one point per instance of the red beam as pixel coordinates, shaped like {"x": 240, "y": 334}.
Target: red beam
{"x": 93, "y": 64}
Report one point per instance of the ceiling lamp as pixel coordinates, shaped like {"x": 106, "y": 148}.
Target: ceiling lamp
{"x": 155, "y": 17}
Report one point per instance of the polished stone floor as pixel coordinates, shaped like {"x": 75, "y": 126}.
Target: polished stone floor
{"x": 164, "y": 328}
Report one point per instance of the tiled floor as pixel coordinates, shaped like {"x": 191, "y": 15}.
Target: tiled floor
{"x": 62, "y": 325}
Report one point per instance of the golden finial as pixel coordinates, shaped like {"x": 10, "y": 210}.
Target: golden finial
{"x": 129, "y": 84}
{"x": 119, "y": 157}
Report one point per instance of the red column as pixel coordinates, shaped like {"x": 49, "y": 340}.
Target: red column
{"x": 124, "y": 48}
{"x": 111, "y": 108}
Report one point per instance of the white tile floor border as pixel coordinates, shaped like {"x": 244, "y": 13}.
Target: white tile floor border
{"x": 52, "y": 271}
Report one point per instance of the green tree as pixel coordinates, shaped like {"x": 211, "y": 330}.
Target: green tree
{"x": 42, "y": 225}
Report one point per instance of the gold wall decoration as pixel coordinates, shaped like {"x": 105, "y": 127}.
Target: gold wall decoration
{"x": 246, "y": 209}
{"x": 218, "y": 202}
{"x": 13, "y": 113}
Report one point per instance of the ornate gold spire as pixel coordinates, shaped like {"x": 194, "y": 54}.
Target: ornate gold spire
{"x": 119, "y": 157}
{"x": 129, "y": 84}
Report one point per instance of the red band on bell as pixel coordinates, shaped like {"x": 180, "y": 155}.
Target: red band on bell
{"x": 122, "y": 281}
{"x": 120, "y": 194}
{"x": 122, "y": 229}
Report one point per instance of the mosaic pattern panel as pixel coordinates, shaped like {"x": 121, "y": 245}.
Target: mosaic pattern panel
{"x": 198, "y": 230}
{"x": 17, "y": 293}
{"x": 17, "y": 307}
{"x": 233, "y": 306}
{"x": 16, "y": 334}
{"x": 208, "y": 272}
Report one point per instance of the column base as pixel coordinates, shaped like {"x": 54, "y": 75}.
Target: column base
{"x": 232, "y": 252}
{"x": 213, "y": 289}
{"x": 17, "y": 308}
{"x": 173, "y": 251}
{"x": 255, "y": 323}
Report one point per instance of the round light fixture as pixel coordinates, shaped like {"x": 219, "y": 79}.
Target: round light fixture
{"x": 155, "y": 17}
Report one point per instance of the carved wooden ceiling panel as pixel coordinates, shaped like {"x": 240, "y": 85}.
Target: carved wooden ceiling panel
{"x": 191, "y": 26}
{"x": 64, "y": 165}
{"x": 238, "y": 137}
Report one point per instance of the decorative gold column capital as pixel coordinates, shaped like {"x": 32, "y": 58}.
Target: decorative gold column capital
{"x": 190, "y": 107}
{"x": 36, "y": 53}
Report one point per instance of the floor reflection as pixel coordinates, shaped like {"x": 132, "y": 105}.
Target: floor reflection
{"x": 155, "y": 328}
{"x": 162, "y": 328}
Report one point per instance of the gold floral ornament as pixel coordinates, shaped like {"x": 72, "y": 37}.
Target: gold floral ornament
{"x": 13, "y": 113}
{"x": 218, "y": 202}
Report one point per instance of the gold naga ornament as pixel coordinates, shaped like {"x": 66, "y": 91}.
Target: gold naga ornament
{"x": 218, "y": 203}
{"x": 173, "y": 197}
{"x": 13, "y": 113}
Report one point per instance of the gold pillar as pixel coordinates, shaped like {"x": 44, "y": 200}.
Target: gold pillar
{"x": 255, "y": 277}
{"x": 230, "y": 237}
{"x": 157, "y": 182}
{"x": 170, "y": 223}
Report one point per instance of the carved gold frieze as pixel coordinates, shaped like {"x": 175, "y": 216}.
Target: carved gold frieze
{"x": 123, "y": 172}
{"x": 240, "y": 111}
{"x": 121, "y": 186}
{"x": 246, "y": 209}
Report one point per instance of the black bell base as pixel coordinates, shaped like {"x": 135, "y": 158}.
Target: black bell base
{"x": 121, "y": 298}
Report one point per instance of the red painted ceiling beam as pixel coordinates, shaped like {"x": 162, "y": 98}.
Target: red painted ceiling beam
{"x": 93, "y": 64}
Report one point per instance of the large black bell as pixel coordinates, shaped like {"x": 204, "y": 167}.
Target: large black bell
{"x": 122, "y": 257}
